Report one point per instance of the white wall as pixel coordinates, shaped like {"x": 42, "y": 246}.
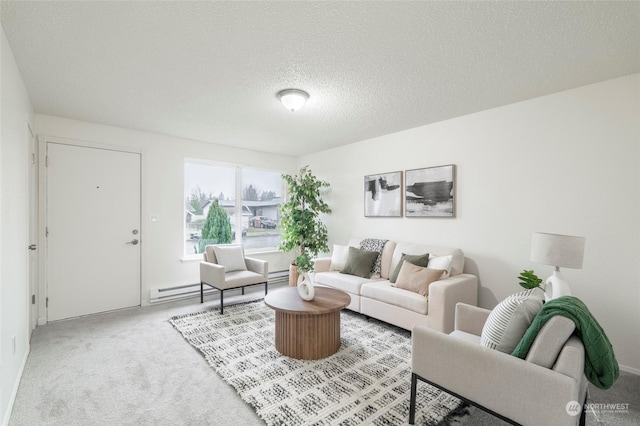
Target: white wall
{"x": 14, "y": 256}
{"x": 566, "y": 163}
{"x": 163, "y": 191}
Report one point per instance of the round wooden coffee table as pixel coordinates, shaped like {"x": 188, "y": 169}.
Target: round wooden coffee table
{"x": 307, "y": 330}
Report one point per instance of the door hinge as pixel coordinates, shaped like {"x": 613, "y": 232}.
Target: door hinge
{"x": 46, "y": 302}
{"x": 33, "y": 299}
{"x": 33, "y": 158}
{"x": 46, "y": 231}
{"x": 46, "y": 161}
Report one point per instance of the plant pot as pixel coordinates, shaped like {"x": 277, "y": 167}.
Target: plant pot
{"x": 293, "y": 275}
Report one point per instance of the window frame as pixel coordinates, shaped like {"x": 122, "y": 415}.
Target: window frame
{"x": 238, "y": 168}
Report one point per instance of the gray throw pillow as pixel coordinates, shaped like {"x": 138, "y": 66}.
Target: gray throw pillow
{"x": 415, "y": 259}
{"x": 359, "y": 262}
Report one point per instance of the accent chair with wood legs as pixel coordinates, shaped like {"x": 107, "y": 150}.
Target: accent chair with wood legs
{"x": 224, "y": 267}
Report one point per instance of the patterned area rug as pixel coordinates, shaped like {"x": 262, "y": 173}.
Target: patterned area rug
{"x": 366, "y": 382}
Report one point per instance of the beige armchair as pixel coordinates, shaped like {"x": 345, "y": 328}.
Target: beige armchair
{"x": 224, "y": 267}
{"x": 547, "y": 388}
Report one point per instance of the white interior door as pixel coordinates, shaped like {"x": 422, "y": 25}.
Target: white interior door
{"x": 93, "y": 230}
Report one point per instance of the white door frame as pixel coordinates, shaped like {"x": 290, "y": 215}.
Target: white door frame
{"x": 42, "y": 214}
{"x": 32, "y": 233}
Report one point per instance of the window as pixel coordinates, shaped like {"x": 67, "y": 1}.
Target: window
{"x": 211, "y": 189}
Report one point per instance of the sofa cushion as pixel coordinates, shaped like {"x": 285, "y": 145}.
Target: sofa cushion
{"x": 385, "y": 261}
{"x": 383, "y": 291}
{"x": 359, "y": 262}
{"x": 231, "y": 257}
{"x": 349, "y": 283}
{"x": 417, "y": 278}
{"x": 550, "y": 340}
{"x": 416, "y": 259}
{"x": 377, "y": 245}
{"x": 457, "y": 262}
{"x": 508, "y": 321}
{"x": 339, "y": 257}
{"x": 385, "y": 257}
{"x": 441, "y": 262}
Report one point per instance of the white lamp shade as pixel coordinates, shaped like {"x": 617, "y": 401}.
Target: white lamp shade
{"x": 563, "y": 251}
{"x": 293, "y": 99}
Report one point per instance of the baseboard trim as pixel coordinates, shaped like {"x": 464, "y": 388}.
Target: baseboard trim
{"x": 629, "y": 370}
{"x": 186, "y": 291}
{"x": 16, "y": 385}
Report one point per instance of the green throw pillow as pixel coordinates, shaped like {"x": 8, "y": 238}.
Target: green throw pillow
{"x": 415, "y": 259}
{"x": 359, "y": 262}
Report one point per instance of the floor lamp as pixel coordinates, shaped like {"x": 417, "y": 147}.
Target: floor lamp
{"x": 560, "y": 251}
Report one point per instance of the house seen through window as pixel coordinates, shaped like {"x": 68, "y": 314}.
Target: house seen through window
{"x": 226, "y": 204}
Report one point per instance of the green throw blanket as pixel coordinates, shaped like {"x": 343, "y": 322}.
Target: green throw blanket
{"x": 600, "y": 367}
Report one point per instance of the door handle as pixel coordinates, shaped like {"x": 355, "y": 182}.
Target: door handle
{"x": 32, "y": 247}
{"x": 134, "y": 242}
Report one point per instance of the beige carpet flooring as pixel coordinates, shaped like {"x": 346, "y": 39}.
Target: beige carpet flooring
{"x": 131, "y": 367}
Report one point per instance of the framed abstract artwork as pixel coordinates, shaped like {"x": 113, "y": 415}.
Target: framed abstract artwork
{"x": 383, "y": 195}
{"x": 430, "y": 192}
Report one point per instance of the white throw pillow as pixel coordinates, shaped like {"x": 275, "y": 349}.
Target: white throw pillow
{"x": 441, "y": 262}
{"x": 231, "y": 257}
{"x": 339, "y": 257}
{"x": 508, "y": 321}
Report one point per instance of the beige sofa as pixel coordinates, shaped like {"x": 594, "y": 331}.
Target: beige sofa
{"x": 377, "y": 298}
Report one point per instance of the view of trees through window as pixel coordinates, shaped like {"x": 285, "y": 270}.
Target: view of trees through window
{"x": 212, "y": 215}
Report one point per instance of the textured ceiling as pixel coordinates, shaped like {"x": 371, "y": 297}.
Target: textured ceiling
{"x": 210, "y": 70}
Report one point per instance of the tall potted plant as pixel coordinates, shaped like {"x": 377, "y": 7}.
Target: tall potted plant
{"x": 302, "y": 229}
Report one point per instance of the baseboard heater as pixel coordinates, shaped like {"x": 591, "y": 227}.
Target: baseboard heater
{"x": 168, "y": 294}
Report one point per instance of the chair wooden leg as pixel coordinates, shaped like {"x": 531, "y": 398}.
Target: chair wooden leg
{"x": 201, "y": 292}
{"x": 412, "y": 400}
{"x": 221, "y": 302}
{"x": 243, "y": 291}
{"x": 266, "y": 288}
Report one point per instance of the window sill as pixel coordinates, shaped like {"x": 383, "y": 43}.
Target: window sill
{"x": 198, "y": 257}
{"x": 267, "y": 250}
{"x": 189, "y": 259}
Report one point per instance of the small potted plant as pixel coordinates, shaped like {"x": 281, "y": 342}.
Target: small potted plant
{"x": 529, "y": 280}
{"x": 302, "y": 229}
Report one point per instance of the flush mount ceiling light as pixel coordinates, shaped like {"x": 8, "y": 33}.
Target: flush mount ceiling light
{"x": 293, "y": 99}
